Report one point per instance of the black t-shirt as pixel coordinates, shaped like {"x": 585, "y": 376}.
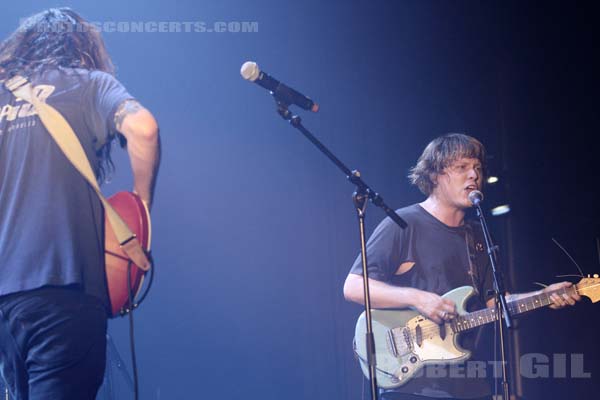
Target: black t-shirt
{"x": 444, "y": 258}
{"x": 51, "y": 221}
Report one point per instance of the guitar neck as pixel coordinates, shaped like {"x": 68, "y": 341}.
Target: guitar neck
{"x": 488, "y": 315}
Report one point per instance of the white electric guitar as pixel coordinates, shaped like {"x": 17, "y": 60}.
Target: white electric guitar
{"x": 405, "y": 340}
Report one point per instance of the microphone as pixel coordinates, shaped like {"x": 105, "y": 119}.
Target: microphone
{"x": 252, "y": 73}
{"x": 475, "y": 197}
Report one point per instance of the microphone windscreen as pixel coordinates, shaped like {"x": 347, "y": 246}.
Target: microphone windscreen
{"x": 475, "y": 197}
{"x": 250, "y": 71}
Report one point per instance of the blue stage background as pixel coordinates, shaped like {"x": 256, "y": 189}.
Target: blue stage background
{"x": 254, "y": 230}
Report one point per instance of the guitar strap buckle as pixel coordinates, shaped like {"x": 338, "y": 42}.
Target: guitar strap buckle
{"x": 134, "y": 251}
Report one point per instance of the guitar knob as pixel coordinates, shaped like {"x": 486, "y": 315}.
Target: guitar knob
{"x": 413, "y": 359}
{"x": 404, "y": 370}
{"x": 595, "y": 275}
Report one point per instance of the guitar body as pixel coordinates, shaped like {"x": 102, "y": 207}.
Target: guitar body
{"x": 134, "y": 212}
{"x": 401, "y": 351}
{"x": 405, "y": 341}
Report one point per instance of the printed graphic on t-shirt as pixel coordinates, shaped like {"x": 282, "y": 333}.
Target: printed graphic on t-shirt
{"x": 22, "y": 110}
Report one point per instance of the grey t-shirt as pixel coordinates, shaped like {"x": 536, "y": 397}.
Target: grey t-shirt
{"x": 51, "y": 221}
{"x": 444, "y": 258}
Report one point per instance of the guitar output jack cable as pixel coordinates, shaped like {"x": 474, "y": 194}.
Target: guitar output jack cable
{"x": 133, "y": 306}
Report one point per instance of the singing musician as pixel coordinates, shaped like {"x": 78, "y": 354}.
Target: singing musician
{"x": 437, "y": 252}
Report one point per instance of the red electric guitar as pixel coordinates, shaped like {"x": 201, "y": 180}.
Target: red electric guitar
{"x": 134, "y": 212}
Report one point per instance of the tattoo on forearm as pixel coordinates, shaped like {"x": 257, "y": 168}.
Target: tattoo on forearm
{"x": 127, "y": 107}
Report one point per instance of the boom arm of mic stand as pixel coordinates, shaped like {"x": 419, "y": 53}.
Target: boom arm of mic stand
{"x": 353, "y": 176}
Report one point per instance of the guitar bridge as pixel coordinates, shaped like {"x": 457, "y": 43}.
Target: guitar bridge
{"x": 399, "y": 341}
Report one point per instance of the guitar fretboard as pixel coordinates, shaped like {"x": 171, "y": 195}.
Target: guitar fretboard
{"x": 481, "y": 317}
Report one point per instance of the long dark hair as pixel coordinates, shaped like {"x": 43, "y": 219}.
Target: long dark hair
{"x": 57, "y": 37}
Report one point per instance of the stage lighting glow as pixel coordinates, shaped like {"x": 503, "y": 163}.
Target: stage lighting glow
{"x": 500, "y": 210}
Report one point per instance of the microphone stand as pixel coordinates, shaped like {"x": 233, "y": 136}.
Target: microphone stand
{"x": 360, "y": 196}
{"x": 501, "y": 306}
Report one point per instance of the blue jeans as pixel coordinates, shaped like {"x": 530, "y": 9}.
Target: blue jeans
{"x": 52, "y": 344}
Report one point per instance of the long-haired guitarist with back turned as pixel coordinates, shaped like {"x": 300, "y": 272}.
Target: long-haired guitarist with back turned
{"x": 438, "y": 252}
{"x": 53, "y": 292}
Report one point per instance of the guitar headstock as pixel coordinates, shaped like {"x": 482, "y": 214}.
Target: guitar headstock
{"x": 590, "y": 287}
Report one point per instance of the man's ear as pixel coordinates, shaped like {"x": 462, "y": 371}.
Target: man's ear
{"x": 433, "y": 177}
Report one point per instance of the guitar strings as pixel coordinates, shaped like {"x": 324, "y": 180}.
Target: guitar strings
{"x": 435, "y": 328}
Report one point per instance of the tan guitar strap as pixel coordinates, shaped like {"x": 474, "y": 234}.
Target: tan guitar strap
{"x": 68, "y": 142}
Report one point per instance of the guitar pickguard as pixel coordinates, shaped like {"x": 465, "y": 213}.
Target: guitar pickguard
{"x": 437, "y": 343}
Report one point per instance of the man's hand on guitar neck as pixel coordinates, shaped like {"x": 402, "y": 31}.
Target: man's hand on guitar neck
{"x": 566, "y": 299}
{"x": 558, "y": 301}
